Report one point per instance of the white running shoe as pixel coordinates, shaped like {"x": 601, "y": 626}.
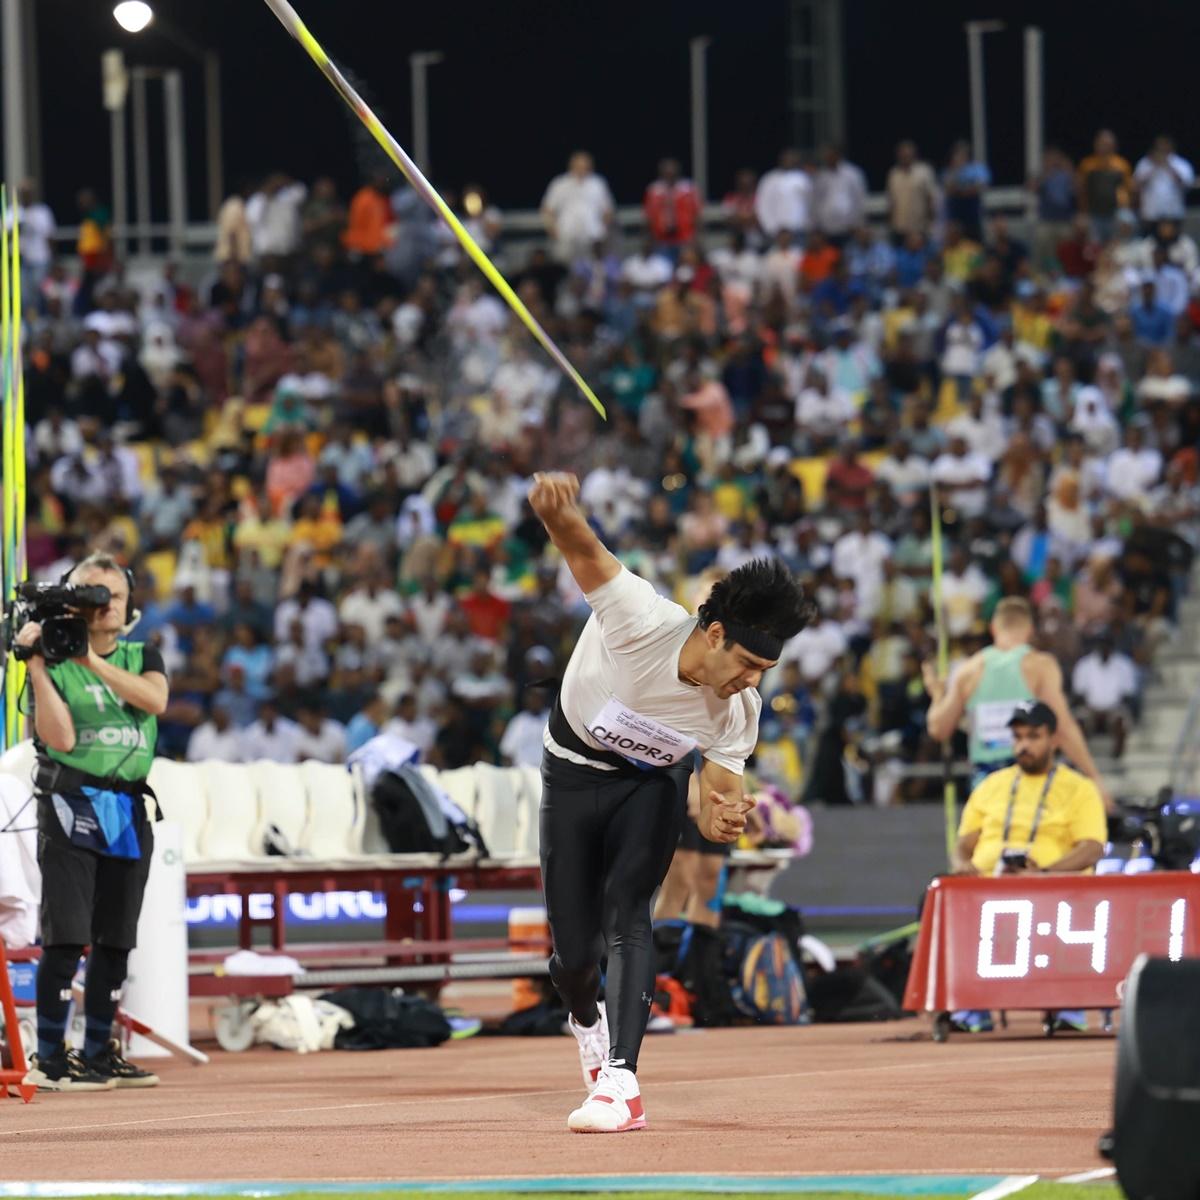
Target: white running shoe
{"x": 615, "y": 1105}
{"x": 593, "y": 1046}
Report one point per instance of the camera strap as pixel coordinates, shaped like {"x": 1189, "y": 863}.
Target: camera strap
{"x": 1037, "y": 814}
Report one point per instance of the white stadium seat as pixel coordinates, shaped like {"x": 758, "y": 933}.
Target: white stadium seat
{"x": 233, "y": 813}
{"x": 497, "y": 807}
{"x": 528, "y": 821}
{"x": 462, "y": 786}
{"x": 19, "y": 760}
{"x": 282, "y": 802}
{"x": 181, "y": 797}
{"x": 335, "y": 822}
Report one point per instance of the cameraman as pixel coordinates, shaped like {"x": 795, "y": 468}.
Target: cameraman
{"x": 95, "y": 723}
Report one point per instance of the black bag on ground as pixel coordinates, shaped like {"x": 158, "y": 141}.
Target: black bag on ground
{"x": 871, "y": 989}
{"x": 702, "y": 972}
{"x": 387, "y": 1020}
{"x": 412, "y": 819}
{"x": 544, "y": 1019}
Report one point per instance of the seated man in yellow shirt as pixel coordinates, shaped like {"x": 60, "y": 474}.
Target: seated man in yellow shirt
{"x": 1035, "y": 817}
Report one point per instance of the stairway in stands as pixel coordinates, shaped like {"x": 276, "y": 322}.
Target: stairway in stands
{"x": 1152, "y": 745}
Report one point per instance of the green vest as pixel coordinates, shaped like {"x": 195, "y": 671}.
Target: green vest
{"x": 991, "y": 705}
{"x": 112, "y": 739}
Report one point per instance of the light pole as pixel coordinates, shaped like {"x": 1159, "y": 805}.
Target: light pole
{"x": 699, "y": 47}
{"x": 134, "y": 16}
{"x": 975, "y": 32}
{"x": 420, "y": 64}
{"x": 1034, "y": 110}
{"x": 116, "y": 88}
{"x": 16, "y": 161}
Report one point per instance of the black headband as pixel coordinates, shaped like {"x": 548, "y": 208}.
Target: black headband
{"x": 765, "y": 645}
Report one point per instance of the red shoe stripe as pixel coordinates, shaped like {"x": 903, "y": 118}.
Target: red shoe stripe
{"x": 594, "y": 1073}
{"x": 635, "y": 1107}
{"x": 605, "y": 1099}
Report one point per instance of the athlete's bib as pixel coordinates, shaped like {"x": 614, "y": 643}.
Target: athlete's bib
{"x": 642, "y": 740}
{"x": 991, "y": 723}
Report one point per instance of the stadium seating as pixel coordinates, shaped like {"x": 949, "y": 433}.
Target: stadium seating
{"x": 335, "y": 823}
{"x": 181, "y": 796}
{"x": 234, "y": 820}
{"x": 283, "y": 803}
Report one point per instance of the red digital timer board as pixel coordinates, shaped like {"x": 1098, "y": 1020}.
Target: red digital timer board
{"x": 1046, "y": 941}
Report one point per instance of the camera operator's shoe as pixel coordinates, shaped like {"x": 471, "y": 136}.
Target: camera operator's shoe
{"x": 971, "y": 1021}
{"x": 66, "y": 1071}
{"x": 109, "y": 1064}
{"x": 1068, "y": 1020}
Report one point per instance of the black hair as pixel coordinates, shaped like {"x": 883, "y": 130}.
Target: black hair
{"x": 762, "y": 595}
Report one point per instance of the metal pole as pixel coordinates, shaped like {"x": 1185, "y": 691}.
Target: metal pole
{"x": 975, "y": 32}
{"x": 33, "y": 95}
{"x": 978, "y": 119}
{"x": 1035, "y": 114}
{"x": 16, "y": 164}
{"x": 419, "y": 64}
{"x": 212, "y": 125}
{"x": 141, "y": 158}
{"x": 835, "y": 98}
{"x": 120, "y": 186}
{"x": 699, "y": 46}
{"x": 176, "y": 162}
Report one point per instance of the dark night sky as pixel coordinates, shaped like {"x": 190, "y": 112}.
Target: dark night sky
{"x": 525, "y": 81}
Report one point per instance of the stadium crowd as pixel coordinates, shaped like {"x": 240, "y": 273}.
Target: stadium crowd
{"x": 315, "y": 457}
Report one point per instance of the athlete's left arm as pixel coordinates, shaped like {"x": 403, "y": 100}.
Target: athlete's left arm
{"x": 149, "y": 692}
{"x": 723, "y": 803}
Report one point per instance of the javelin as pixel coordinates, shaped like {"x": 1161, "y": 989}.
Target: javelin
{"x": 290, "y": 20}
{"x": 949, "y": 794}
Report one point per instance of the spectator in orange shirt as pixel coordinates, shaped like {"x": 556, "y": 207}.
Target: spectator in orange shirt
{"x": 370, "y": 218}
{"x": 672, "y": 206}
{"x": 818, "y": 261}
{"x": 1104, "y": 183}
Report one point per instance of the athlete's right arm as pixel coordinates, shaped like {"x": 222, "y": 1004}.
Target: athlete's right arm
{"x": 949, "y": 698}
{"x": 51, "y": 716}
{"x": 554, "y": 498}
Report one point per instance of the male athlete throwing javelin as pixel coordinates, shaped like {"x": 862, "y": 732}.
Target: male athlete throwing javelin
{"x": 647, "y": 683}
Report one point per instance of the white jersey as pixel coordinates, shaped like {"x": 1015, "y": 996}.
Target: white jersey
{"x": 621, "y": 691}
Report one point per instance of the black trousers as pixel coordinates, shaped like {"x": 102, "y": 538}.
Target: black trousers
{"x": 88, "y": 898}
{"x": 606, "y": 843}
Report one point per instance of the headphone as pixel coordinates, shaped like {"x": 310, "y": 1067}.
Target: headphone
{"x": 132, "y": 615}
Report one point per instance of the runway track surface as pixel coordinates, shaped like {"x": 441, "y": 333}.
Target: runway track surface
{"x": 855, "y": 1100}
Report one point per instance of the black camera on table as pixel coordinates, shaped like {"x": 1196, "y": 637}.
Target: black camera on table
{"x": 1166, "y": 826}
{"x": 56, "y": 607}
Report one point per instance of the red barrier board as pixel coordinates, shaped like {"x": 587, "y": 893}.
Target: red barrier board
{"x": 1046, "y": 942}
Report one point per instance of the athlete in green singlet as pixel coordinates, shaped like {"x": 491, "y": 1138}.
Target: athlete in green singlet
{"x": 990, "y": 685}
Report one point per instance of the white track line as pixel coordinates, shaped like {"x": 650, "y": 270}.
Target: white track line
{"x": 940, "y": 1061}
{"x": 1089, "y": 1176}
{"x": 1006, "y": 1187}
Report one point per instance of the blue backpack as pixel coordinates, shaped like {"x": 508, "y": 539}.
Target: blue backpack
{"x": 769, "y": 986}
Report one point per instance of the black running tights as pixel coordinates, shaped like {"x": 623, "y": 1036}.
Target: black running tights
{"x": 606, "y": 843}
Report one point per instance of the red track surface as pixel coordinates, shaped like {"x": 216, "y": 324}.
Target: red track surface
{"x": 852, "y": 1099}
